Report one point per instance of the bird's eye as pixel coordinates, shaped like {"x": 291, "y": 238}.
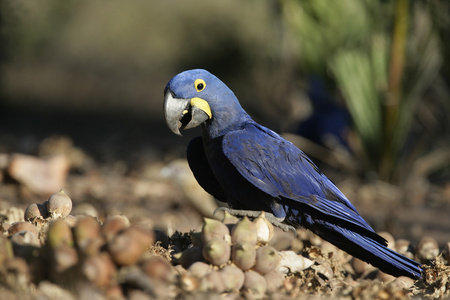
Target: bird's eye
{"x": 199, "y": 85}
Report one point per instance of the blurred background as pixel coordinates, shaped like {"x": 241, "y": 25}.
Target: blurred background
{"x": 361, "y": 86}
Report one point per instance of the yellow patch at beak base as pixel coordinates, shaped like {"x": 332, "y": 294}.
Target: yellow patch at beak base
{"x": 201, "y": 104}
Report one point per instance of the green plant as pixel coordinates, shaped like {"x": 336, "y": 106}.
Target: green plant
{"x": 382, "y": 55}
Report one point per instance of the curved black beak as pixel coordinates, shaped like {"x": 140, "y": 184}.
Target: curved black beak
{"x": 181, "y": 113}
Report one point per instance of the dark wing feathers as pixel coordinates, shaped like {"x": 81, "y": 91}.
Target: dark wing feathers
{"x": 316, "y": 219}
{"x": 202, "y": 171}
{"x": 371, "y": 250}
{"x": 277, "y": 167}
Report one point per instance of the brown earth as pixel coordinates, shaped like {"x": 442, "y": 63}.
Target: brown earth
{"x": 136, "y": 168}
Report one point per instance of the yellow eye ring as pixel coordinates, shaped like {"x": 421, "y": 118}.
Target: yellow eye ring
{"x": 199, "y": 85}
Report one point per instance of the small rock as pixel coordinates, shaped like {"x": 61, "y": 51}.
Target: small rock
{"x": 233, "y": 278}
{"x": 213, "y": 229}
{"x": 86, "y": 230}
{"x": 264, "y": 229}
{"x": 158, "y": 268}
{"x": 244, "y": 231}
{"x": 292, "y": 263}
{"x": 274, "y": 280}
{"x": 361, "y": 267}
{"x": 26, "y": 238}
{"x": 35, "y": 210}
{"x": 405, "y": 248}
{"x": 267, "y": 259}
{"x": 254, "y": 284}
{"x": 113, "y": 225}
{"x": 389, "y": 238}
{"x": 427, "y": 249}
{"x": 85, "y": 209}
{"x": 324, "y": 269}
{"x": 59, "y": 233}
{"x": 404, "y": 282}
{"x": 199, "y": 269}
{"x": 243, "y": 255}
{"x": 217, "y": 252}
{"x": 59, "y": 205}
{"x": 190, "y": 256}
{"x": 40, "y": 175}
{"x": 127, "y": 247}
{"x": 64, "y": 257}
{"x": 99, "y": 269}
{"x": 212, "y": 281}
{"x": 22, "y": 226}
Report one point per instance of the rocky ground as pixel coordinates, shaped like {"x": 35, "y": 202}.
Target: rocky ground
{"x": 135, "y": 225}
{"x": 51, "y": 251}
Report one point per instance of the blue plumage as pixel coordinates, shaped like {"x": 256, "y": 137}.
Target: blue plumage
{"x": 251, "y": 167}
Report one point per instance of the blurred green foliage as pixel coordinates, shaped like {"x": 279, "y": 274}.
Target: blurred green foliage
{"x": 384, "y": 56}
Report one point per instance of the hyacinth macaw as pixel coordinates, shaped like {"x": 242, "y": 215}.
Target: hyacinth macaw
{"x": 252, "y": 168}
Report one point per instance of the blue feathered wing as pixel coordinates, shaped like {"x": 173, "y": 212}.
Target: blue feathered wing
{"x": 283, "y": 172}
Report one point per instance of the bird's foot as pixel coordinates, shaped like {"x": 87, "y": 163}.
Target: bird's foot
{"x": 278, "y": 222}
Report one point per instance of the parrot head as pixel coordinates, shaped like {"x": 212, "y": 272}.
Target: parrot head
{"x": 197, "y": 97}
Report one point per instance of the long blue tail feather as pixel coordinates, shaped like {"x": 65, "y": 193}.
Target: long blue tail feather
{"x": 356, "y": 241}
{"x": 371, "y": 251}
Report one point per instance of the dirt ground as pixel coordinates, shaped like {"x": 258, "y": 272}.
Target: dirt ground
{"x": 136, "y": 168}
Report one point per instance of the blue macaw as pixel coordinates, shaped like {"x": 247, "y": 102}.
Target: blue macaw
{"x": 252, "y": 168}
